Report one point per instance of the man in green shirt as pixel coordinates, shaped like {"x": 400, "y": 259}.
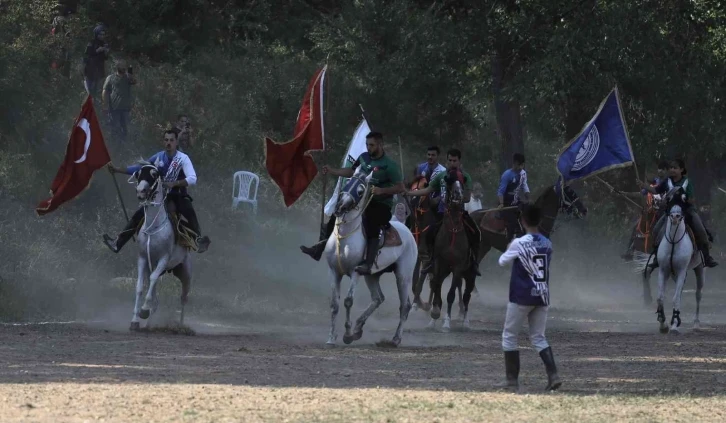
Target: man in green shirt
{"x": 438, "y": 184}
{"x": 386, "y": 181}
{"x": 117, "y": 97}
{"x": 683, "y": 198}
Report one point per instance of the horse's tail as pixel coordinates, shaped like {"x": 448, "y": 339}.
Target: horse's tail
{"x": 641, "y": 261}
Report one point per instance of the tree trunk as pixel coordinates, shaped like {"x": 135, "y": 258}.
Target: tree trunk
{"x": 508, "y": 113}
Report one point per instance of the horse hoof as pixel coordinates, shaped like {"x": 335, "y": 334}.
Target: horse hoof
{"x": 134, "y": 327}
{"x": 432, "y": 324}
{"x": 664, "y": 329}
{"x": 435, "y": 313}
{"x": 388, "y": 344}
{"x": 466, "y": 325}
{"x": 426, "y": 307}
{"x": 144, "y": 314}
{"x": 354, "y": 337}
{"x": 675, "y": 330}
{"x": 414, "y": 307}
{"x": 696, "y": 326}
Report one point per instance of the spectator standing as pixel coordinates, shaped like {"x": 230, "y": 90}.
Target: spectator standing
{"x": 94, "y": 61}
{"x": 118, "y": 98}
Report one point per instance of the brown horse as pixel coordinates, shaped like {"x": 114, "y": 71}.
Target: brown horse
{"x": 422, "y": 220}
{"x": 493, "y": 226}
{"x": 451, "y": 256}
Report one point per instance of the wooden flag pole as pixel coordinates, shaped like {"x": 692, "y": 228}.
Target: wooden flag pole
{"x": 618, "y": 192}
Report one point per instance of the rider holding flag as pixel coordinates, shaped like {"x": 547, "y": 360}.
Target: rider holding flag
{"x": 177, "y": 173}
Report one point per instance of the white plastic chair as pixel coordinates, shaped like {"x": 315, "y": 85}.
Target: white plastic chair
{"x": 242, "y": 189}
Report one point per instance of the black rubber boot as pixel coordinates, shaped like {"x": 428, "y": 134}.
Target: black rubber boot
{"x": 371, "y": 252}
{"x": 511, "y": 368}
{"x": 553, "y": 380}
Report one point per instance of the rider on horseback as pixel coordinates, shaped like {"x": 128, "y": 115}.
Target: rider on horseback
{"x": 426, "y": 171}
{"x": 684, "y": 199}
{"x": 653, "y": 206}
{"x": 513, "y": 191}
{"x": 385, "y": 183}
{"x": 177, "y": 173}
{"x": 438, "y": 184}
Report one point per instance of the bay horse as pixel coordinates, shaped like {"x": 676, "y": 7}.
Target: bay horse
{"x": 421, "y": 222}
{"x": 159, "y": 250}
{"x": 345, "y": 250}
{"x": 451, "y": 256}
{"x": 493, "y": 228}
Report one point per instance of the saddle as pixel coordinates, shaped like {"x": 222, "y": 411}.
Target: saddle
{"x": 183, "y": 233}
{"x": 389, "y": 238}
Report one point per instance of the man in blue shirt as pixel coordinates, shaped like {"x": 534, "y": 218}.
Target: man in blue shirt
{"x": 529, "y": 297}
{"x": 177, "y": 174}
{"x": 513, "y": 191}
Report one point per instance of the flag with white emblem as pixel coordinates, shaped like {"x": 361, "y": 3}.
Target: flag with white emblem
{"x": 85, "y": 153}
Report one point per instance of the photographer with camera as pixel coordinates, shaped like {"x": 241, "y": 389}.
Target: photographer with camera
{"x": 118, "y": 99}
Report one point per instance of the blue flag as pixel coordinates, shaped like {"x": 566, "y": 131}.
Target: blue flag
{"x": 602, "y": 145}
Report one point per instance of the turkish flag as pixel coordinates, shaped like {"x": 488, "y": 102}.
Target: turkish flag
{"x": 289, "y": 163}
{"x": 85, "y": 153}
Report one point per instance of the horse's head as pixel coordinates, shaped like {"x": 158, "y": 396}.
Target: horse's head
{"x": 355, "y": 190}
{"x": 454, "y": 190}
{"x": 148, "y": 182}
{"x": 675, "y": 215}
{"x": 571, "y": 203}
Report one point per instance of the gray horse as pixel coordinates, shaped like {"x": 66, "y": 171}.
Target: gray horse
{"x": 158, "y": 250}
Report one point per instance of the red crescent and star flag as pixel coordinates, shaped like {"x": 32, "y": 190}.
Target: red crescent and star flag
{"x": 289, "y": 163}
{"x": 85, "y": 153}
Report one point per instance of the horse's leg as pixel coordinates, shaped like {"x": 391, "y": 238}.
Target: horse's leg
{"x": 455, "y": 285}
{"x": 334, "y": 304}
{"x": 377, "y": 299}
{"x": 142, "y": 271}
{"x": 436, "y": 282}
{"x": 153, "y": 279}
{"x": 470, "y": 280}
{"x": 459, "y": 291}
{"x": 417, "y": 285}
{"x": 483, "y": 250}
{"x": 662, "y": 279}
{"x": 348, "y": 303}
{"x": 403, "y": 280}
{"x": 699, "y": 271}
{"x": 647, "y": 296}
{"x": 680, "y": 282}
{"x": 184, "y": 273}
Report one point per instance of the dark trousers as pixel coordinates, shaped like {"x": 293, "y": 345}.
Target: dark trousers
{"x": 182, "y": 204}
{"x": 376, "y": 216}
{"x": 119, "y": 123}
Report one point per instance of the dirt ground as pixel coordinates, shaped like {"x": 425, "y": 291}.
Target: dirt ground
{"x": 615, "y": 364}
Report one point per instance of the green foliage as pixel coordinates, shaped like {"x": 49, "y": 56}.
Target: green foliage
{"x": 421, "y": 69}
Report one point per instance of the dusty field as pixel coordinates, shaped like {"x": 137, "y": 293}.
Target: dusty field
{"x": 615, "y": 364}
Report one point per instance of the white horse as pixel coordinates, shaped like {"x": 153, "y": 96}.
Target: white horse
{"x": 345, "y": 250}
{"x": 676, "y": 255}
{"x": 158, "y": 250}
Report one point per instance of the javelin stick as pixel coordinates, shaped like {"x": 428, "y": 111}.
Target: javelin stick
{"x": 120, "y": 199}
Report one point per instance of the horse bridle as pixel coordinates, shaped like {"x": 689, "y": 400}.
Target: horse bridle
{"x": 153, "y": 188}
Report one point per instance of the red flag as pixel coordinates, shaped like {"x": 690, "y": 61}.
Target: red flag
{"x": 86, "y": 152}
{"x": 289, "y": 163}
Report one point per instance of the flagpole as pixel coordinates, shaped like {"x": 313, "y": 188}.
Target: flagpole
{"x": 618, "y": 192}
{"x": 627, "y": 135}
{"x": 326, "y": 119}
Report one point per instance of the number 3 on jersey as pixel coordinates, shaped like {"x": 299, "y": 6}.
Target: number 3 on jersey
{"x": 541, "y": 270}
